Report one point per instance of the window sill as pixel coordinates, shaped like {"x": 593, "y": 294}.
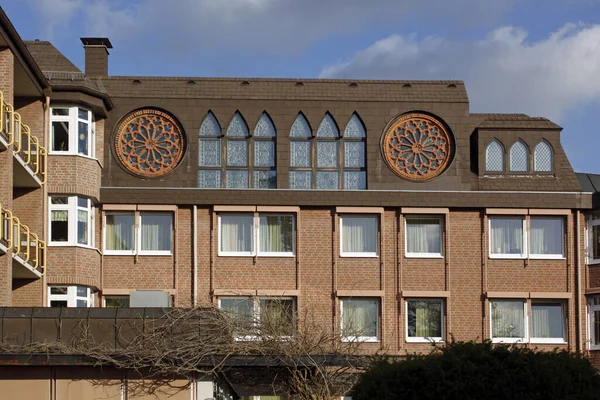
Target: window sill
{"x": 594, "y": 262}
{"x": 423, "y": 255}
{"x": 548, "y": 341}
{"x": 424, "y": 340}
{"x": 509, "y": 340}
{"x": 359, "y": 255}
{"x": 143, "y": 254}
{"x": 360, "y": 339}
{"x": 507, "y": 256}
{"x": 282, "y": 255}
{"x": 546, "y": 257}
{"x": 240, "y": 254}
{"x": 67, "y": 244}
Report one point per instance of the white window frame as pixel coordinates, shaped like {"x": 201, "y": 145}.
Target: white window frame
{"x": 72, "y": 207}
{"x": 357, "y": 254}
{"x": 137, "y": 232}
{"x": 525, "y": 337}
{"x": 424, "y": 255}
{"x": 547, "y": 256}
{"x": 524, "y": 245}
{"x": 590, "y": 239}
{"x": 418, "y": 339}
{"x": 256, "y": 312}
{"x": 555, "y": 340}
{"x": 255, "y": 243}
{"x": 73, "y": 120}
{"x": 361, "y": 339}
{"x": 71, "y": 296}
{"x": 591, "y": 321}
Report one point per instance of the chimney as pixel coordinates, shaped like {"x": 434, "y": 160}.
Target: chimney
{"x": 96, "y": 56}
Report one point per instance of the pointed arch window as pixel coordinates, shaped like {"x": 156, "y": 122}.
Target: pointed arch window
{"x": 264, "y": 175}
{"x": 355, "y": 174}
{"x": 494, "y": 157}
{"x": 519, "y": 157}
{"x": 328, "y": 169}
{"x": 209, "y": 153}
{"x": 236, "y": 153}
{"x": 542, "y": 157}
{"x": 301, "y": 159}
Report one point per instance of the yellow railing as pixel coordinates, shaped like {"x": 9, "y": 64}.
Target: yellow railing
{"x": 23, "y": 243}
{"x": 26, "y": 145}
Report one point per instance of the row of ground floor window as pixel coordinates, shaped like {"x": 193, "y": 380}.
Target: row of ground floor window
{"x": 512, "y": 320}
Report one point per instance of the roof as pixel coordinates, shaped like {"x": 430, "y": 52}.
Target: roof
{"x": 285, "y": 89}
{"x": 515, "y": 121}
{"x": 48, "y": 57}
{"x": 589, "y": 182}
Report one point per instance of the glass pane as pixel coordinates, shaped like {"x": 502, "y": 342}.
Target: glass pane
{"x": 328, "y": 128}
{"x": 596, "y": 327}
{"x": 60, "y": 111}
{"x": 58, "y": 303}
{"x": 300, "y": 179}
{"x": 327, "y": 154}
{"x": 547, "y": 320}
{"x": 82, "y": 291}
{"x": 237, "y": 127}
{"x": 83, "y": 113}
{"x": 81, "y": 202}
{"x": 596, "y": 242}
{"x": 423, "y": 235}
{"x": 542, "y": 158}
{"x": 82, "y": 303}
{"x": 58, "y": 290}
{"x": 83, "y": 139}
{"x": 59, "y": 226}
{"x": 424, "y": 318}
{"x": 237, "y": 179}
{"x": 237, "y": 233}
{"x": 264, "y": 153}
{"x": 157, "y": 231}
{"x": 359, "y": 234}
{"x": 546, "y": 236}
{"x": 241, "y": 312}
{"x": 60, "y": 136}
{"x": 300, "y": 127}
{"x": 354, "y": 154}
{"x": 355, "y": 180}
{"x": 360, "y": 317}
{"x": 82, "y": 227}
{"x": 116, "y": 301}
{"x": 59, "y": 200}
{"x": 276, "y": 233}
{"x": 506, "y": 236}
{"x": 300, "y": 154}
{"x": 355, "y": 128}
{"x": 277, "y": 317}
{"x": 265, "y": 179}
{"x": 209, "y": 152}
{"x": 328, "y": 180}
{"x": 119, "y": 231}
{"x": 508, "y": 319}
{"x": 237, "y": 153}
{"x": 519, "y": 157}
{"x": 264, "y": 127}
{"x": 210, "y": 126}
{"x": 494, "y": 157}
{"x": 209, "y": 178}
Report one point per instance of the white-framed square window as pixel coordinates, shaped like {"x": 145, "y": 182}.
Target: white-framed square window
{"x": 70, "y": 296}
{"x": 71, "y": 221}
{"x": 358, "y": 235}
{"x": 423, "y": 236}
{"x": 547, "y": 321}
{"x": 424, "y": 320}
{"x": 508, "y": 320}
{"x": 72, "y": 131}
{"x": 507, "y": 237}
{"x": 594, "y": 322}
{"x": 359, "y": 319}
{"x": 547, "y": 237}
{"x": 251, "y": 234}
{"x": 593, "y": 244}
{"x": 138, "y": 232}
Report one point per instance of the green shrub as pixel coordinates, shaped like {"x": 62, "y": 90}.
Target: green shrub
{"x": 482, "y": 371}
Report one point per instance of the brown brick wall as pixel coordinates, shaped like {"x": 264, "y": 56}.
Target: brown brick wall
{"x": 74, "y": 175}
{"x": 28, "y": 293}
{"x": 73, "y": 266}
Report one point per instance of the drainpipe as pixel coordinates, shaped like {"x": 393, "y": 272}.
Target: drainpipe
{"x": 578, "y": 297}
{"x": 195, "y": 253}
{"x": 46, "y": 141}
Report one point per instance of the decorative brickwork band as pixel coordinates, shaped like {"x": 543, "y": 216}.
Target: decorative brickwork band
{"x": 149, "y": 143}
{"x": 417, "y": 147}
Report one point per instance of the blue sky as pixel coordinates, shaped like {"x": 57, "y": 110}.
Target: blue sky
{"x": 540, "y": 57}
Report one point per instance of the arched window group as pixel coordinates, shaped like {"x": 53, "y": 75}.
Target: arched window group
{"x": 328, "y": 160}
{"x": 518, "y": 157}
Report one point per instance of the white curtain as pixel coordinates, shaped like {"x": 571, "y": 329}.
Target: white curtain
{"x": 546, "y": 236}
{"x": 547, "y": 320}
{"x": 360, "y": 317}
{"x": 275, "y": 233}
{"x": 359, "y": 234}
{"x": 508, "y": 320}
{"x": 423, "y": 235}
{"x": 506, "y": 235}
{"x": 156, "y": 231}
{"x": 424, "y": 318}
{"x": 236, "y": 233}
{"x": 119, "y": 231}
{"x": 59, "y": 225}
{"x": 82, "y": 227}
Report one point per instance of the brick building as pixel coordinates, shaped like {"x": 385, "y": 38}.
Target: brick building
{"x": 384, "y": 203}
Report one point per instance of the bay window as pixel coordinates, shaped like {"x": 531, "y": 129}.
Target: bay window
{"x": 72, "y": 131}
{"x": 424, "y": 320}
{"x": 251, "y": 234}
{"x": 359, "y": 319}
{"x": 594, "y": 238}
{"x": 70, "y": 296}
{"x": 71, "y": 221}
{"x": 358, "y": 235}
{"x": 423, "y": 236}
{"x": 153, "y": 234}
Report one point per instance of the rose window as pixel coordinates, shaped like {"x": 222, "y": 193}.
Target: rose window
{"x": 417, "y": 147}
{"x": 149, "y": 143}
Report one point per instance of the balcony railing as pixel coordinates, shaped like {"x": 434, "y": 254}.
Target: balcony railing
{"x": 21, "y": 242}
{"x": 25, "y": 145}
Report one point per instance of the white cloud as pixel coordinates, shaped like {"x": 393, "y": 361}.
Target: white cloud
{"x": 504, "y": 72}
{"x": 55, "y": 14}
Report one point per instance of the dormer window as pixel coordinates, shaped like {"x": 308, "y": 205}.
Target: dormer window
{"x": 72, "y": 131}
{"x": 519, "y": 157}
